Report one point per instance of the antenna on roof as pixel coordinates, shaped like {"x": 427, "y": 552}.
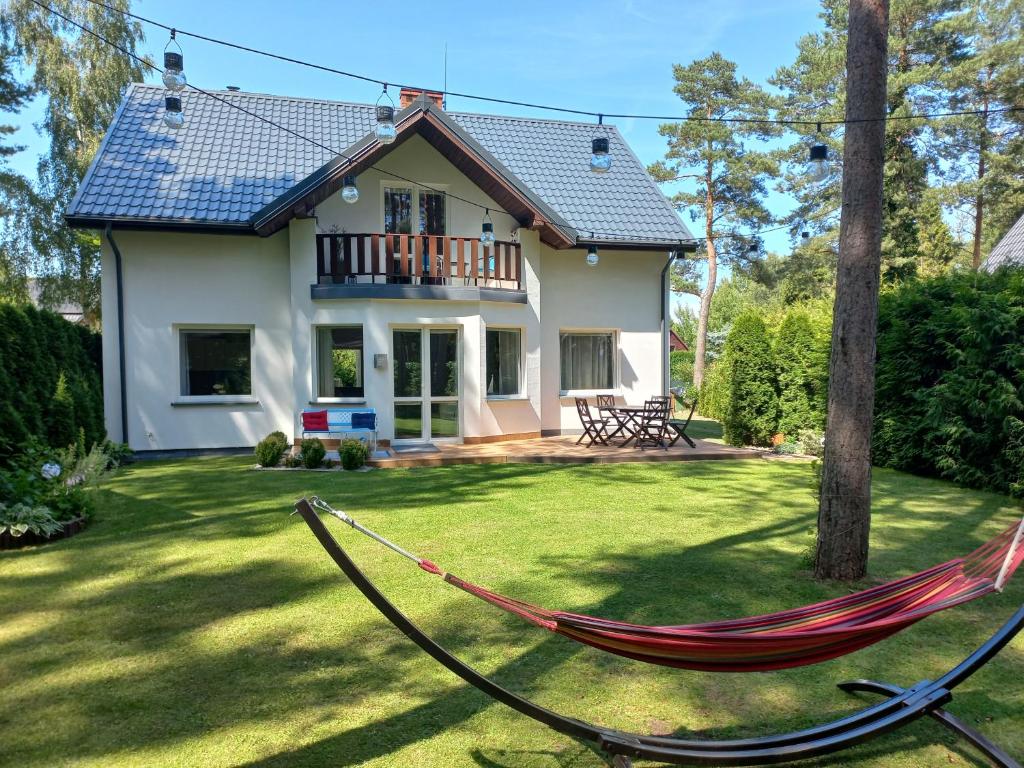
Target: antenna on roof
{"x": 444, "y": 93}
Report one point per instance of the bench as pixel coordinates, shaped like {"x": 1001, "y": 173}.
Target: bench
{"x": 340, "y": 423}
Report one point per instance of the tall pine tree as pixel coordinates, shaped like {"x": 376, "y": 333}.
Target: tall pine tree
{"x": 15, "y": 189}
{"x": 720, "y": 177}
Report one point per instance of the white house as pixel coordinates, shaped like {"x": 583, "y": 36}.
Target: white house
{"x": 239, "y": 287}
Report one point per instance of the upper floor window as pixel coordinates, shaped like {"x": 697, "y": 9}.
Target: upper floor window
{"x": 216, "y": 362}
{"x": 588, "y": 361}
{"x": 414, "y": 210}
{"x": 339, "y": 361}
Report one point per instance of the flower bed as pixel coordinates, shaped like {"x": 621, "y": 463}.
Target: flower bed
{"x": 28, "y": 539}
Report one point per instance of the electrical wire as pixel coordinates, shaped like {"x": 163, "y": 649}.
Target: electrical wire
{"x": 146, "y": 63}
{"x": 549, "y": 107}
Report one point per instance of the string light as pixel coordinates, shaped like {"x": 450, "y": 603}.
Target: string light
{"x": 349, "y": 191}
{"x": 385, "y": 130}
{"x": 592, "y": 257}
{"x": 818, "y": 161}
{"x": 262, "y": 118}
{"x": 600, "y": 160}
{"x": 487, "y": 230}
{"x": 173, "y": 118}
{"x": 174, "y": 63}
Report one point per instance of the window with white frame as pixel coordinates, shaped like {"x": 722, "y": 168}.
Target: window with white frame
{"x": 504, "y": 361}
{"x": 339, "y": 359}
{"x": 587, "y": 360}
{"x": 216, "y": 361}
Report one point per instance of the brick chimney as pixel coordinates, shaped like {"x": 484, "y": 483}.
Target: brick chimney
{"x": 408, "y": 95}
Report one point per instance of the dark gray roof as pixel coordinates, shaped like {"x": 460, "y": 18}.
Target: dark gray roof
{"x": 224, "y": 165}
{"x": 1010, "y": 250}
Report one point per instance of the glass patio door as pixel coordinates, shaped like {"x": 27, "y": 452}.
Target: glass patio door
{"x": 426, "y": 376}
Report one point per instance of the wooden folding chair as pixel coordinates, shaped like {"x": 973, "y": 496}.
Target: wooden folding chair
{"x": 679, "y": 427}
{"x": 654, "y": 423}
{"x": 594, "y": 429}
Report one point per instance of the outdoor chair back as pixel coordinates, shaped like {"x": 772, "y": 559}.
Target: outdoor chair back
{"x": 606, "y": 401}
{"x": 595, "y": 430}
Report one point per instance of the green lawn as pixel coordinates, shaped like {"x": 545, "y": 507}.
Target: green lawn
{"x": 196, "y": 624}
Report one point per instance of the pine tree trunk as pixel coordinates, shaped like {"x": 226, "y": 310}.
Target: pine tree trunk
{"x": 844, "y": 514}
{"x": 701, "y": 347}
{"x": 979, "y": 200}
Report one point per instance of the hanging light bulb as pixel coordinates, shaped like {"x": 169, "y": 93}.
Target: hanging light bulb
{"x": 592, "y": 257}
{"x": 385, "y": 130}
{"x": 173, "y": 118}
{"x": 174, "y": 64}
{"x": 349, "y": 191}
{"x": 600, "y": 160}
{"x": 805, "y": 235}
{"x": 754, "y": 249}
{"x": 487, "y": 231}
{"x": 818, "y": 161}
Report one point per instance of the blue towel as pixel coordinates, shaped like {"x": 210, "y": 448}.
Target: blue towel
{"x": 364, "y": 421}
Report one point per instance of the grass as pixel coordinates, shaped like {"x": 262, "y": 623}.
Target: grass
{"x": 196, "y": 624}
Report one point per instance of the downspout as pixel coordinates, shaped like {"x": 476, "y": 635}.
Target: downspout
{"x": 666, "y": 373}
{"x": 120, "y": 330}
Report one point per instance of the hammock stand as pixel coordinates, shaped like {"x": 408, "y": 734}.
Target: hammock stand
{"x": 902, "y": 705}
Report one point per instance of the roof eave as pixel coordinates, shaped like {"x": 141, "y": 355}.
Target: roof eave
{"x": 141, "y": 223}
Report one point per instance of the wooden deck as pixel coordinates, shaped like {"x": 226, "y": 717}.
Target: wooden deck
{"x": 559, "y": 450}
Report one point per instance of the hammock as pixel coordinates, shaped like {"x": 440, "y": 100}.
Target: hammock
{"x": 790, "y": 638}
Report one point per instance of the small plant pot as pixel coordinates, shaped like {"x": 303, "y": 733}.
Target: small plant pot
{"x": 30, "y": 539}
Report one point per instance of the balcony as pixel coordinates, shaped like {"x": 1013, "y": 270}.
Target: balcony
{"x": 389, "y": 266}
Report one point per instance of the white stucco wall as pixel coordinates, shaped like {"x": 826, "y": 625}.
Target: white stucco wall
{"x": 210, "y": 281}
{"x": 175, "y": 279}
{"x": 621, "y": 294}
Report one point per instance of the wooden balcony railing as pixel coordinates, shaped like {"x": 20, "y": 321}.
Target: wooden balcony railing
{"x": 418, "y": 260}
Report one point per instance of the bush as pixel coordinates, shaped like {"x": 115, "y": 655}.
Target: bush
{"x": 751, "y": 416}
{"x": 50, "y": 385}
{"x": 713, "y": 398}
{"x": 354, "y": 453}
{"x": 681, "y": 368}
{"x": 291, "y": 461}
{"x": 801, "y": 357}
{"x": 811, "y": 443}
{"x": 269, "y": 451}
{"x": 19, "y": 519}
{"x": 312, "y": 452}
{"x": 279, "y": 436}
{"x": 39, "y": 477}
{"x": 950, "y": 379}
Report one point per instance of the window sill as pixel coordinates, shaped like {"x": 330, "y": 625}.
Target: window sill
{"x": 506, "y": 398}
{"x": 186, "y": 401}
{"x": 338, "y": 401}
{"x": 567, "y": 393}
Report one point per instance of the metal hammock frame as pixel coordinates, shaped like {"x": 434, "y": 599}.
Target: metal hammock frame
{"x": 901, "y": 707}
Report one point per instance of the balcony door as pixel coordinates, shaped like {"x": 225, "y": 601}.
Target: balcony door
{"x": 426, "y": 378}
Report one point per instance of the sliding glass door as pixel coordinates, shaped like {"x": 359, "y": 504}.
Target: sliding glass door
{"x": 426, "y": 376}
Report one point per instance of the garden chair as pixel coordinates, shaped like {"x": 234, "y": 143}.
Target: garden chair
{"x": 594, "y": 429}
{"x": 679, "y": 427}
{"x": 654, "y": 423}
{"x": 606, "y": 401}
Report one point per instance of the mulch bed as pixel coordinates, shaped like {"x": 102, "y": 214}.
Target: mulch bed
{"x": 29, "y": 539}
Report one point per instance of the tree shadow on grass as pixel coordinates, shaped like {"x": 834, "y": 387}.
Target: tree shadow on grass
{"x": 201, "y": 646}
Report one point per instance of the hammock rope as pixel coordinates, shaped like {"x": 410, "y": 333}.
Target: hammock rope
{"x": 779, "y": 640}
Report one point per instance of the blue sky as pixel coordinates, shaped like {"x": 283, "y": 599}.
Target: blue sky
{"x": 601, "y": 56}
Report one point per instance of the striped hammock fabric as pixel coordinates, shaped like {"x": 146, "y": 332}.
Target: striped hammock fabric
{"x": 791, "y": 638}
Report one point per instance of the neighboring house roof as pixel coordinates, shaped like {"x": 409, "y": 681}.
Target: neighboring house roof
{"x": 225, "y": 166}
{"x": 1009, "y": 251}
{"x": 68, "y": 310}
{"x": 675, "y": 343}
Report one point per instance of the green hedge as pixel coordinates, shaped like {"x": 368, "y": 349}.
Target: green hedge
{"x": 950, "y": 379}
{"x": 801, "y": 357}
{"x": 50, "y": 385}
{"x": 752, "y": 415}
